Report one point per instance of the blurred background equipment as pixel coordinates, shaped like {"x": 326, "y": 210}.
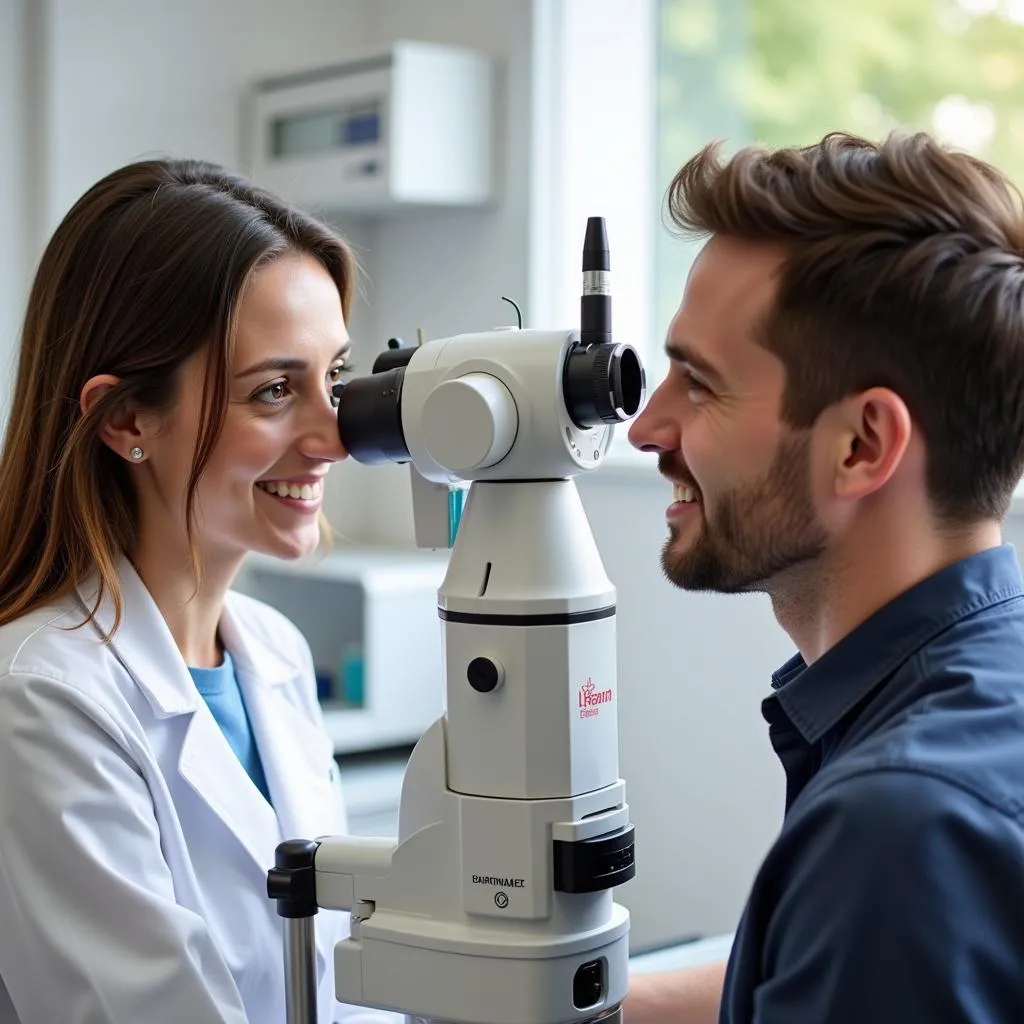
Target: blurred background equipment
{"x": 407, "y": 127}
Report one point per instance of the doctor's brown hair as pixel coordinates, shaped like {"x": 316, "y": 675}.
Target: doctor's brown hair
{"x": 903, "y": 268}
{"x": 146, "y": 269}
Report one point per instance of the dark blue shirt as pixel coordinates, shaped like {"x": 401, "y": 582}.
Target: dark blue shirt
{"x": 894, "y": 893}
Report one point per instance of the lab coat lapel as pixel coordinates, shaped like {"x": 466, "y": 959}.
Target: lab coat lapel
{"x": 144, "y": 646}
{"x": 297, "y": 755}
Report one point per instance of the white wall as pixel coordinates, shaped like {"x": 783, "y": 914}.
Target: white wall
{"x": 704, "y": 787}
{"x": 132, "y": 79}
{"x": 17, "y": 200}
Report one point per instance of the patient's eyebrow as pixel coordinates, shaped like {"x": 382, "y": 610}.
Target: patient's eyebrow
{"x": 682, "y": 352}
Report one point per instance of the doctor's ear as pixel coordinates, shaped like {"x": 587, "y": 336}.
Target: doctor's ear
{"x": 125, "y": 428}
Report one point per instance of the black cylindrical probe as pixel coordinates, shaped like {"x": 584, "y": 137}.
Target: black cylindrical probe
{"x": 596, "y": 300}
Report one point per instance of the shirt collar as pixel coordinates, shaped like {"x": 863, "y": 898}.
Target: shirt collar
{"x": 816, "y": 697}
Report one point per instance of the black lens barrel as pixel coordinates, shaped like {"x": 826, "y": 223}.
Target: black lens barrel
{"x": 370, "y": 409}
{"x": 602, "y": 383}
{"x": 370, "y": 417}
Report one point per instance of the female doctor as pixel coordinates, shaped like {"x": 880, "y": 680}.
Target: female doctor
{"x": 159, "y": 734}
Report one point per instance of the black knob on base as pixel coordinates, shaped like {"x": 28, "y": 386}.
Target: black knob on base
{"x": 292, "y": 879}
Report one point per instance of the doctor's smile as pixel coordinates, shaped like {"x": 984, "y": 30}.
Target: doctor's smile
{"x": 303, "y": 495}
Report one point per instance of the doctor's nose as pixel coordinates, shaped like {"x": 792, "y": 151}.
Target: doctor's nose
{"x": 321, "y": 438}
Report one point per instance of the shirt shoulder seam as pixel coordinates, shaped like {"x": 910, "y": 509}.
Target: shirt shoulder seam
{"x": 1012, "y": 809}
{"x": 911, "y": 652}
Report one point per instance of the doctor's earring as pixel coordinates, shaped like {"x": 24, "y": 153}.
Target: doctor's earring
{"x": 137, "y": 454}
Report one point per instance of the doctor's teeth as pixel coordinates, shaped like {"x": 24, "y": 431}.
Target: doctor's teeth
{"x": 685, "y": 494}
{"x": 288, "y": 490}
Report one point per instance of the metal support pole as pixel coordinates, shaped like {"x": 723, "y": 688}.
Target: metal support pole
{"x": 300, "y": 970}
{"x": 292, "y": 883}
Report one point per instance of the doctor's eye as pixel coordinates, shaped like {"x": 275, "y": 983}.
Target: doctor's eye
{"x": 339, "y": 372}
{"x": 337, "y": 375}
{"x": 272, "y": 394}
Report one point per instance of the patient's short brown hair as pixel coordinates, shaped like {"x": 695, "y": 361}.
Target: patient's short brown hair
{"x": 904, "y": 269}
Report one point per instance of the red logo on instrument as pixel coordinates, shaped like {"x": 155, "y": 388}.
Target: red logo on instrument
{"x": 590, "y": 698}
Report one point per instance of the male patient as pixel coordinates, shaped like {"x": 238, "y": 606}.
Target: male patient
{"x": 843, "y": 426}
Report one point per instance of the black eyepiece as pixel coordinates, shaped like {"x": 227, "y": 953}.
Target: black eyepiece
{"x": 370, "y": 409}
{"x": 602, "y": 383}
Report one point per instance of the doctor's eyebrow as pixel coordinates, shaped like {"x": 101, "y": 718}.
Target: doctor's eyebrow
{"x": 684, "y": 354}
{"x": 277, "y": 364}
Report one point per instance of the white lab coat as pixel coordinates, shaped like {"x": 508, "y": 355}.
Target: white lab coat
{"x": 133, "y": 845}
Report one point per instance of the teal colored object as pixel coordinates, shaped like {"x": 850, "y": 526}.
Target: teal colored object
{"x": 353, "y": 676}
{"x": 456, "y": 501}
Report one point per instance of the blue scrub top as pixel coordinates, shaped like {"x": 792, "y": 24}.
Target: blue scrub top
{"x": 219, "y": 688}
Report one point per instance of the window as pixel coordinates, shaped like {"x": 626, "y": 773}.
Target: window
{"x": 785, "y": 72}
{"x": 627, "y": 90}
{"x": 594, "y": 141}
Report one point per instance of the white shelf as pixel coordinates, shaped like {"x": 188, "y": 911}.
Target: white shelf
{"x": 353, "y": 731}
{"x": 372, "y": 611}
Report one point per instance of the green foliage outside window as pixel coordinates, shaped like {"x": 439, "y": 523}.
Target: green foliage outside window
{"x": 785, "y": 72}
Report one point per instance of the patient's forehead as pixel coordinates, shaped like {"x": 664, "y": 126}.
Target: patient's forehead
{"x": 729, "y": 292}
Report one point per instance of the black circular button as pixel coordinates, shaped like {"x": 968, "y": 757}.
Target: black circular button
{"x": 483, "y": 675}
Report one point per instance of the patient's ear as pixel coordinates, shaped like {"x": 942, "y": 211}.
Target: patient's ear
{"x": 875, "y": 431}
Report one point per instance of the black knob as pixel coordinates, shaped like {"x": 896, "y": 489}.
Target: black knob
{"x": 396, "y": 354}
{"x": 292, "y": 879}
{"x": 484, "y": 675}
